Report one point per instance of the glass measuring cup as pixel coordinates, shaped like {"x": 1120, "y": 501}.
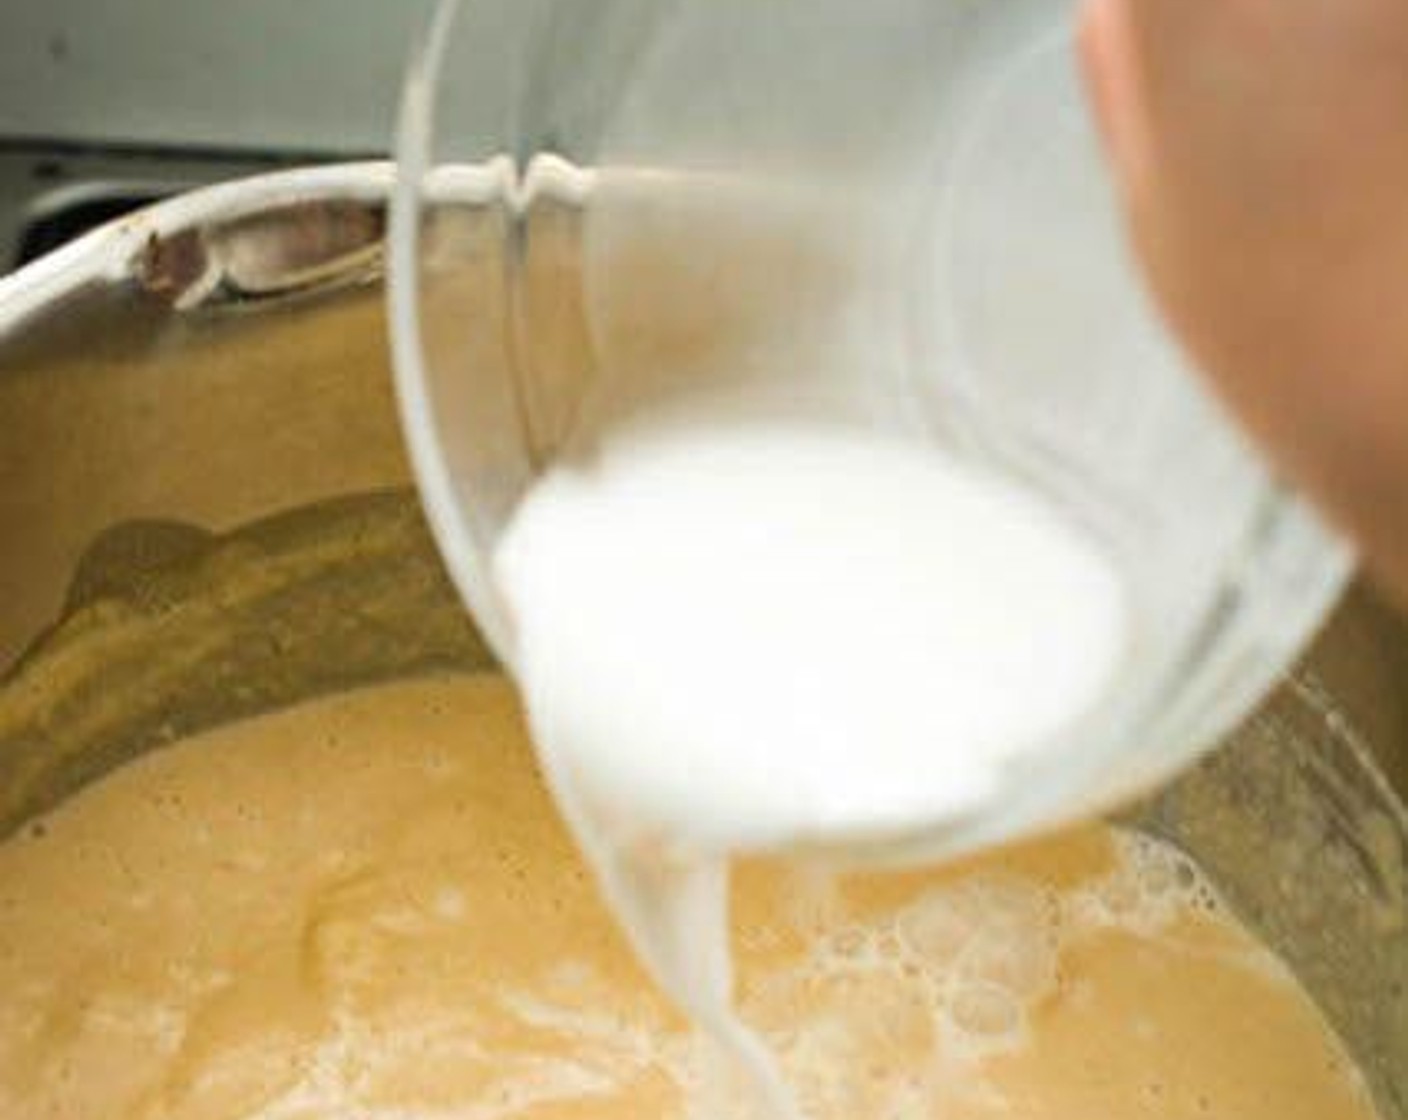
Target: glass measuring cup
{"x": 893, "y": 214}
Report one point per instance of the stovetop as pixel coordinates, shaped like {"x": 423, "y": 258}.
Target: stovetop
{"x": 253, "y": 74}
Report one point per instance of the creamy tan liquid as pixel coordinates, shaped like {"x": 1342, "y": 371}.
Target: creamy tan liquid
{"x": 366, "y": 907}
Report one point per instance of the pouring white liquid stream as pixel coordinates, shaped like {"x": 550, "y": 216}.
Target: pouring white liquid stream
{"x": 737, "y": 635}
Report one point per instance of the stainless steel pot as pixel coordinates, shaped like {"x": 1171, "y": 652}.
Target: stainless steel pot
{"x": 205, "y": 513}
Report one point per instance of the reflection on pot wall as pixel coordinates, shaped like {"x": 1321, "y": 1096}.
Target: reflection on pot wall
{"x": 123, "y": 407}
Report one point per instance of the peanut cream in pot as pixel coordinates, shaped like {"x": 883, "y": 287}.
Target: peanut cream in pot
{"x": 366, "y": 906}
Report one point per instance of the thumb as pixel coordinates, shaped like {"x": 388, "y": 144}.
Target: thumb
{"x": 1109, "y": 65}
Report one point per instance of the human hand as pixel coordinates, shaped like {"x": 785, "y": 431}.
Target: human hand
{"x": 1262, "y": 150}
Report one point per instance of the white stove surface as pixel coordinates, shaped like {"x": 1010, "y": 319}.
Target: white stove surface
{"x": 307, "y": 75}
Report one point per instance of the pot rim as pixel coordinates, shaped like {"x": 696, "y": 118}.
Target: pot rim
{"x": 114, "y": 253}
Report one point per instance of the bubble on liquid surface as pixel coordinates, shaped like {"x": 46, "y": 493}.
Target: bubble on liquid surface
{"x": 1151, "y": 885}
{"x": 984, "y": 1013}
{"x": 955, "y": 975}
